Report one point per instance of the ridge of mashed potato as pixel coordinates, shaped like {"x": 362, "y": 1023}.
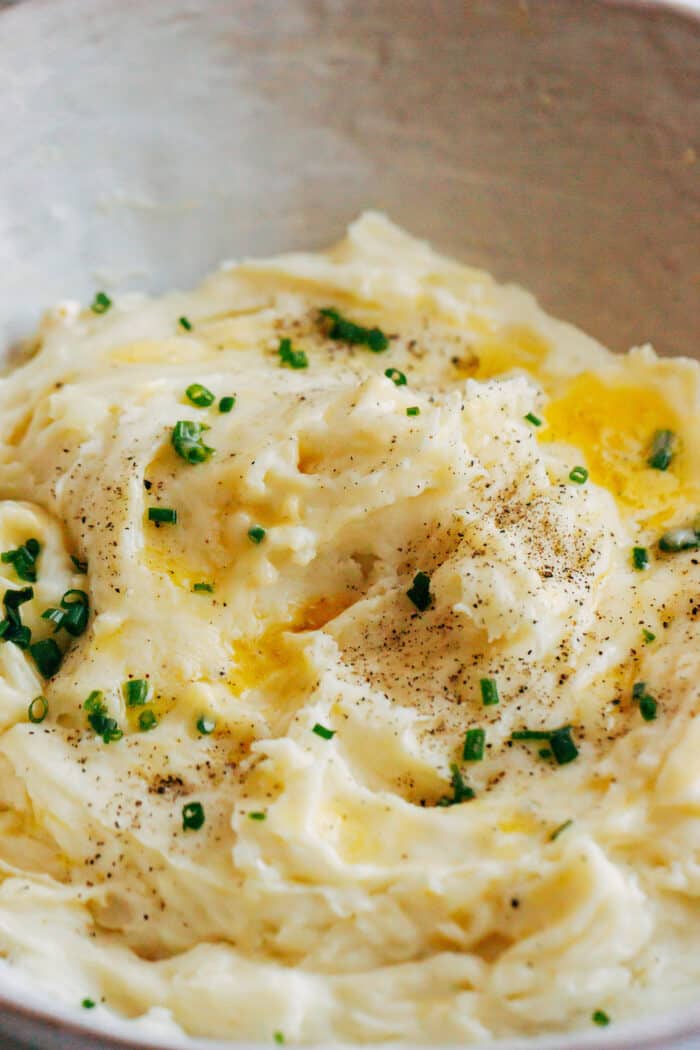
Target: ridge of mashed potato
{"x": 344, "y": 884}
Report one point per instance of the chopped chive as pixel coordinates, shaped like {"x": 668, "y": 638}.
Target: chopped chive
{"x": 325, "y": 734}
{"x": 638, "y": 690}
{"x": 203, "y": 588}
{"x": 135, "y": 691}
{"x": 489, "y": 691}
{"x": 291, "y": 358}
{"x": 662, "y": 449}
{"x": 560, "y": 741}
{"x": 600, "y": 1017}
{"x": 80, "y": 566}
{"x": 348, "y": 332}
{"x": 192, "y": 816}
{"x": 164, "y": 515}
{"x": 648, "y": 636}
{"x": 47, "y": 657}
{"x": 532, "y": 418}
{"x": 88, "y": 1004}
{"x": 648, "y": 708}
{"x": 256, "y": 533}
{"x": 186, "y": 439}
{"x": 11, "y": 628}
{"x": 185, "y": 323}
{"x": 23, "y": 559}
{"x": 419, "y": 593}
{"x": 199, "y": 395}
{"x": 579, "y": 475}
{"x": 101, "y": 303}
{"x": 73, "y": 615}
{"x": 545, "y": 752}
{"x": 147, "y": 720}
{"x": 413, "y": 410}
{"x": 279, "y": 1038}
{"x": 685, "y": 538}
{"x": 563, "y": 747}
{"x": 474, "y": 741}
{"x": 560, "y": 830}
{"x": 461, "y": 792}
{"x": 257, "y": 816}
{"x": 640, "y": 558}
{"x": 98, "y": 719}
{"x": 227, "y": 403}
{"x": 38, "y": 709}
{"x": 205, "y": 725}
{"x": 397, "y": 378}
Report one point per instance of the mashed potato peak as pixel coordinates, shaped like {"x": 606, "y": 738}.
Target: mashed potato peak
{"x": 385, "y": 769}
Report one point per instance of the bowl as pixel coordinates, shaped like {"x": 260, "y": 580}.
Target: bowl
{"x": 553, "y": 142}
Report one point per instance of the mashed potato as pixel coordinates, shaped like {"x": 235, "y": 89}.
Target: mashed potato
{"x": 348, "y": 693}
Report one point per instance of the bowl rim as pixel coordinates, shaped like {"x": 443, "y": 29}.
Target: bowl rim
{"x": 117, "y": 1033}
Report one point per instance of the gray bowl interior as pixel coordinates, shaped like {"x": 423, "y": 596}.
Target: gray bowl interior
{"x": 554, "y": 142}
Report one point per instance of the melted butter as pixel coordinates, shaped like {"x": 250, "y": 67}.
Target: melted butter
{"x": 160, "y": 706}
{"x": 316, "y": 614}
{"x": 508, "y": 348}
{"x": 613, "y": 425}
{"x": 272, "y": 658}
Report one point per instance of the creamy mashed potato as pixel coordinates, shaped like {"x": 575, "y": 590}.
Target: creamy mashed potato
{"x": 371, "y": 723}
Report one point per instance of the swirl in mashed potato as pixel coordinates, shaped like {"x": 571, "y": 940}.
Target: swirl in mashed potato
{"x": 410, "y": 750}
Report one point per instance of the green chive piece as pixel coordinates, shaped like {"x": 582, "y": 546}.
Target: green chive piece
{"x": 579, "y": 475}
{"x": 11, "y": 628}
{"x": 24, "y": 560}
{"x": 257, "y": 816}
{"x": 101, "y": 303}
{"x": 563, "y": 747}
{"x": 98, "y": 719}
{"x": 162, "y": 515}
{"x": 47, "y": 657}
{"x": 474, "y": 742}
{"x": 560, "y": 830}
{"x": 227, "y": 403}
{"x": 685, "y": 538}
{"x": 256, "y": 533}
{"x": 205, "y": 725}
{"x": 560, "y": 741}
{"x": 73, "y": 615}
{"x": 186, "y": 439}
{"x": 88, "y": 1004}
{"x": 461, "y": 792}
{"x": 80, "y": 566}
{"x": 135, "y": 691}
{"x": 648, "y": 636}
{"x": 348, "y": 332}
{"x": 532, "y": 418}
{"x": 199, "y": 395}
{"x": 413, "y": 410}
{"x": 662, "y": 449}
{"x": 397, "y": 378}
{"x": 600, "y": 1017}
{"x": 147, "y": 720}
{"x": 639, "y": 690}
{"x": 291, "y": 358}
{"x": 419, "y": 593}
{"x": 648, "y": 708}
{"x": 279, "y": 1038}
{"x": 325, "y": 734}
{"x": 203, "y": 588}
{"x": 640, "y": 558}
{"x": 489, "y": 691}
{"x": 192, "y": 816}
{"x": 38, "y": 709}
{"x": 185, "y": 323}
{"x": 545, "y": 752}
